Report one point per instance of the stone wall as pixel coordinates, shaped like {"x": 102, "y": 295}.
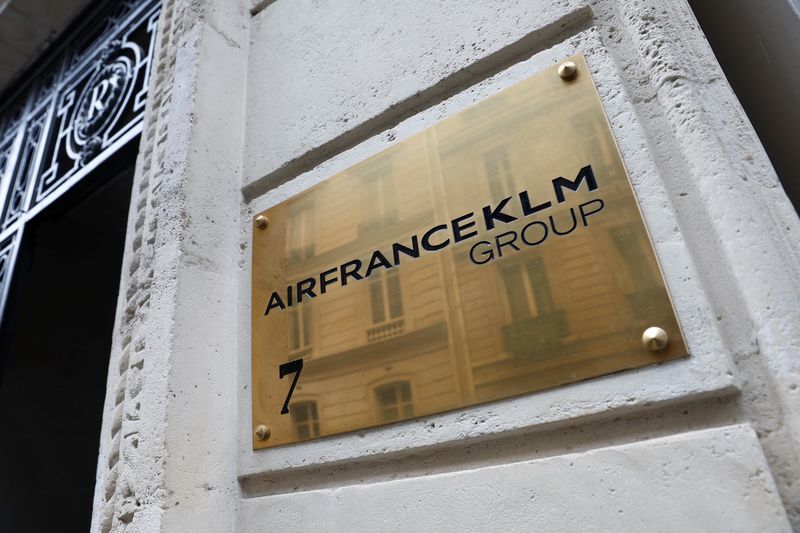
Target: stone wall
{"x": 253, "y": 103}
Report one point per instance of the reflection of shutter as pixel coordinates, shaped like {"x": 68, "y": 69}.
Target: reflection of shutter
{"x": 292, "y": 239}
{"x": 294, "y": 330}
{"x": 515, "y": 290}
{"x": 405, "y": 395}
{"x": 635, "y": 261}
{"x": 505, "y": 173}
{"x": 372, "y": 199}
{"x": 388, "y": 402}
{"x": 376, "y": 301}
{"x": 299, "y": 328}
{"x": 495, "y": 185}
{"x": 540, "y": 286}
{"x": 301, "y": 420}
{"x": 395, "y": 297}
{"x": 314, "y": 418}
{"x": 389, "y": 202}
{"x": 306, "y": 325}
{"x": 498, "y": 172}
{"x": 300, "y": 234}
{"x": 308, "y": 229}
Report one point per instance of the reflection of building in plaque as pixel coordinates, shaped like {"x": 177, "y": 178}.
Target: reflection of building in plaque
{"x": 547, "y": 296}
{"x": 351, "y": 266}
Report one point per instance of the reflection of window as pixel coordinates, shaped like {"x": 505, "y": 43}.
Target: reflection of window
{"x": 299, "y": 327}
{"x": 378, "y": 198}
{"x": 394, "y": 401}
{"x": 305, "y": 419}
{"x": 498, "y": 172}
{"x": 527, "y": 289}
{"x": 385, "y": 299}
{"x": 301, "y": 233}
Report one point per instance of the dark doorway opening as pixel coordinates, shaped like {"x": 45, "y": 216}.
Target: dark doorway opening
{"x": 757, "y": 45}
{"x": 54, "y": 352}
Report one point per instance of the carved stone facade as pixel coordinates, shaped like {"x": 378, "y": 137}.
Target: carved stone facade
{"x": 251, "y": 101}
{"x": 122, "y": 488}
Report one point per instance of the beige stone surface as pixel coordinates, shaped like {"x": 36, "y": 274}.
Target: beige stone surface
{"x": 712, "y": 480}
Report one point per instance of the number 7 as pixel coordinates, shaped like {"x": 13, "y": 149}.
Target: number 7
{"x": 292, "y": 367}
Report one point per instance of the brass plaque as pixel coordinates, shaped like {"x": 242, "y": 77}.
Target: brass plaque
{"x": 497, "y": 253}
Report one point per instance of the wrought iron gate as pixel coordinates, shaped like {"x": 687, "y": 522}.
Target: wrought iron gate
{"x": 77, "y": 107}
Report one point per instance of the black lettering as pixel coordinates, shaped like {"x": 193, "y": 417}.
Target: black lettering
{"x": 378, "y": 260}
{"x": 458, "y": 227}
{"x": 292, "y": 367}
{"x": 559, "y": 184}
{"x": 585, "y": 215}
{"x": 485, "y": 253}
{"x": 510, "y": 243}
{"x": 324, "y": 281}
{"x": 525, "y": 202}
{"x": 525, "y": 229}
{"x": 570, "y": 230}
{"x": 397, "y": 248}
{"x": 426, "y": 239}
{"x": 307, "y": 290}
{"x": 490, "y": 215}
{"x": 351, "y": 273}
{"x": 274, "y": 301}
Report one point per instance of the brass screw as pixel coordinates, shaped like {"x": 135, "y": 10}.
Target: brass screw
{"x": 262, "y": 222}
{"x": 654, "y": 339}
{"x": 567, "y": 70}
{"x": 262, "y": 432}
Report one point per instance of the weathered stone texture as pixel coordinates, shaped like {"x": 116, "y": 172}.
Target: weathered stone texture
{"x": 248, "y": 109}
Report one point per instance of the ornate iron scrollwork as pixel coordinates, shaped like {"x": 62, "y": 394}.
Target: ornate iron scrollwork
{"x": 78, "y": 107}
{"x": 102, "y": 99}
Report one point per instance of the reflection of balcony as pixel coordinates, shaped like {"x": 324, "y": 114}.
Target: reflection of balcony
{"x": 386, "y": 330}
{"x": 377, "y": 224}
{"x": 533, "y": 337}
{"x": 380, "y": 353}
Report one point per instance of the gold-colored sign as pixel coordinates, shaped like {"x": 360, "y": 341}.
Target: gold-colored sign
{"x": 497, "y": 253}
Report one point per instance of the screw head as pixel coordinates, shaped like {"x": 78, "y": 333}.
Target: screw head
{"x": 262, "y": 432}
{"x": 567, "y": 70}
{"x": 262, "y": 222}
{"x": 654, "y": 339}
